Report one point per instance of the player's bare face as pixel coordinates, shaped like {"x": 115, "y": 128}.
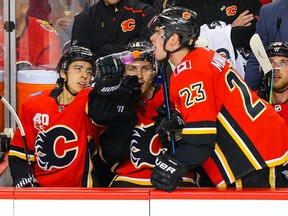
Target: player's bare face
{"x": 144, "y": 71}
{"x": 158, "y": 41}
{"x": 280, "y": 65}
{"x": 79, "y": 75}
{"x": 21, "y": 9}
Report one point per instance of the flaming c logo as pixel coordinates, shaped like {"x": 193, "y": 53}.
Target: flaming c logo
{"x": 186, "y": 15}
{"x": 231, "y": 10}
{"x": 128, "y": 25}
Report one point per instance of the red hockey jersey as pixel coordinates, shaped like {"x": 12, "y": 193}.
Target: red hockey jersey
{"x": 39, "y": 44}
{"x": 145, "y": 146}
{"x": 229, "y": 129}
{"x": 58, "y": 138}
{"x": 282, "y": 109}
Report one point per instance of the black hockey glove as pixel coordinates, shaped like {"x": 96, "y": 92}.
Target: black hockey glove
{"x": 130, "y": 86}
{"x": 165, "y": 126}
{"x": 103, "y": 109}
{"x": 109, "y": 77}
{"x": 25, "y": 182}
{"x": 167, "y": 173}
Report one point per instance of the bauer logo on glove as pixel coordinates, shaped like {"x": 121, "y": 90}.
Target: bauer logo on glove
{"x": 166, "y": 167}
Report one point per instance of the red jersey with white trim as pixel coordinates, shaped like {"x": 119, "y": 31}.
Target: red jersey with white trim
{"x": 282, "y": 109}
{"x": 145, "y": 145}
{"x": 229, "y": 129}
{"x": 58, "y": 139}
{"x": 39, "y": 44}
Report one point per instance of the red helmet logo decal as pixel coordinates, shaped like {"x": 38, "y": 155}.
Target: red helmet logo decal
{"x": 186, "y": 15}
{"x": 231, "y": 10}
{"x": 128, "y": 25}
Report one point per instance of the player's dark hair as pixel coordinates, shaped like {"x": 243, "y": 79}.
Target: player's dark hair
{"x": 74, "y": 53}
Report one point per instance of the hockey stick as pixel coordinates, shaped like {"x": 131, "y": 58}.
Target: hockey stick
{"x": 167, "y": 102}
{"x": 261, "y": 56}
{"x": 22, "y": 132}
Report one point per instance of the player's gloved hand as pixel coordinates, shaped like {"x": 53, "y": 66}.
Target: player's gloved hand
{"x": 165, "y": 126}
{"x": 132, "y": 85}
{"x": 25, "y": 182}
{"x": 118, "y": 104}
{"x": 110, "y": 75}
{"x": 167, "y": 173}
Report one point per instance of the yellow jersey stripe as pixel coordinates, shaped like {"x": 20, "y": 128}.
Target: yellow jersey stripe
{"x": 188, "y": 131}
{"x": 239, "y": 141}
{"x": 224, "y": 163}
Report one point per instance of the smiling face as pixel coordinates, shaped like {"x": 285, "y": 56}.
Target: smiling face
{"x": 145, "y": 73}
{"x": 78, "y": 76}
{"x": 280, "y": 65}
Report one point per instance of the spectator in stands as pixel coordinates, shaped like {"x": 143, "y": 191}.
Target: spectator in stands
{"x": 109, "y": 25}
{"x": 39, "y": 9}
{"x": 242, "y": 15}
{"x": 271, "y": 26}
{"x": 64, "y": 24}
{"x": 37, "y": 43}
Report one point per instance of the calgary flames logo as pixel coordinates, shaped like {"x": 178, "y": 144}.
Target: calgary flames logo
{"x": 231, "y": 10}
{"x": 128, "y": 25}
{"x": 46, "y": 26}
{"x": 186, "y": 15}
{"x": 56, "y": 148}
{"x": 145, "y": 146}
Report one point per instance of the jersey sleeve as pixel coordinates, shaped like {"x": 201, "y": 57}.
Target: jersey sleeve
{"x": 17, "y": 157}
{"x": 51, "y": 52}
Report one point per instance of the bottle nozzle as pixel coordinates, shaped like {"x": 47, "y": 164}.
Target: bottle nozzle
{"x": 136, "y": 54}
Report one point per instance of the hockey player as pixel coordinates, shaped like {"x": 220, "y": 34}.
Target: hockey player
{"x": 278, "y": 56}
{"x": 227, "y": 127}
{"x": 109, "y": 25}
{"x": 144, "y": 142}
{"x": 60, "y": 136}
{"x": 37, "y": 43}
